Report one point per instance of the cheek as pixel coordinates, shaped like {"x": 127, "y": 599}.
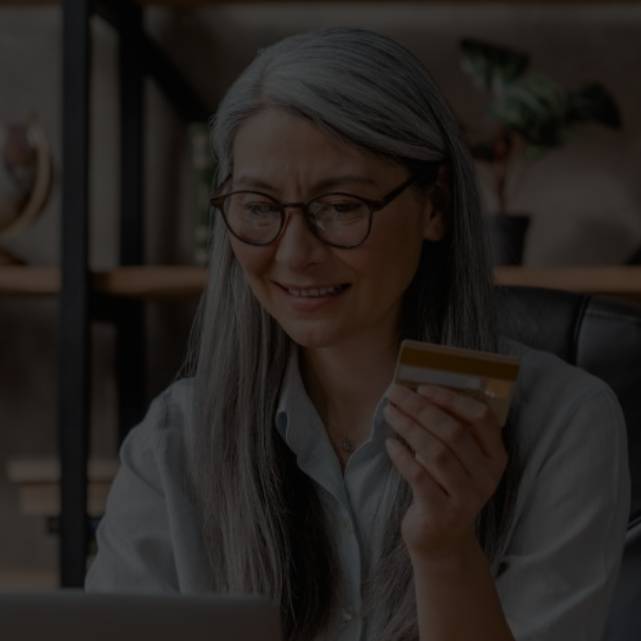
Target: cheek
{"x": 391, "y": 264}
{"x": 253, "y": 261}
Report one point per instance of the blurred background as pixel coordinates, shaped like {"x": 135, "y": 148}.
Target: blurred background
{"x": 582, "y": 198}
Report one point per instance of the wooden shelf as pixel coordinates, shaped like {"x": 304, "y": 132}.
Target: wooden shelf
{"x": 170, "y": 282}
{"x": 47, "y": 470}
{"x": 152, "y": 282}
{"x": 29, "y": 281}
{"x": 613, "y": 280}
{"x": 144, "y": 282}
{"x": 38, "y": 489}
{"x": 28, "y": 580}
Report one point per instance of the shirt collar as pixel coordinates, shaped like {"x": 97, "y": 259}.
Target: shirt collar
{"x": 294, "y": 404}
{"x": 291, "y": 392}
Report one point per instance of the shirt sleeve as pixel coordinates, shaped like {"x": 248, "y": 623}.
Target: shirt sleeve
{"x": 134, "y": 546}
{"x": 563, "y": 560}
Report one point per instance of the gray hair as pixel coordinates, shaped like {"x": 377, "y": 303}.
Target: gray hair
{"x": 263, "y": 522}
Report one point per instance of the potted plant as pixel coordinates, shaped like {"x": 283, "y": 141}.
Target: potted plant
{"x": 533, "y": 114}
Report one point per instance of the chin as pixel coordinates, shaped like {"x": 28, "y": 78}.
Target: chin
{"x": 312, "y": 337}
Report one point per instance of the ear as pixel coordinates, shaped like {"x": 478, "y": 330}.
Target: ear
{"x": 436, "y": 206}
{"x": 434, "y": 228}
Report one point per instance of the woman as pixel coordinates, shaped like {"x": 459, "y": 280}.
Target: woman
{"x": 285, "y": 463}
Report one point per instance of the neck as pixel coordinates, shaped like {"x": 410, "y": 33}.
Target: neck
{"x": 346, "y": 382}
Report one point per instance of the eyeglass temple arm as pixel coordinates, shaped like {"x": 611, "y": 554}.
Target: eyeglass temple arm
{"x": 431, "y": 175}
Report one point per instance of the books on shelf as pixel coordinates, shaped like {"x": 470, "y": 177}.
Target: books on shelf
{"x": 203, "y": 167}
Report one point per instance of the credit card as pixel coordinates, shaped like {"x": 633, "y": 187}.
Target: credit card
{"x": 484, "y": 375}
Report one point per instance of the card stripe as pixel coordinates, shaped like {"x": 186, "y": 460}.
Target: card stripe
{"x": 477, "y": 365}
{"x": 439, "y": 377}
{"x": 484, "y": 375}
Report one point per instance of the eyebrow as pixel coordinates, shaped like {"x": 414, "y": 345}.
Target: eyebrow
{"x": 326, "y": 183}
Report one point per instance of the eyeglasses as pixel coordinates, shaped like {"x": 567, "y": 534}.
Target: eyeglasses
{"x": 338, "y": 219}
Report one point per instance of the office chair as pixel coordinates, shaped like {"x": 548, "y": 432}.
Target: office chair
{"x": 603, "y": 336}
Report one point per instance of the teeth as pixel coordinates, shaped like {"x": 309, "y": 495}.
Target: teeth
{"x": 314, "y": 292}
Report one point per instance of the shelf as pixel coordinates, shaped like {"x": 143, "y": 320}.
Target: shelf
{"x": 38, "y": 485}
{"x": 152, "y": 282}
{"x": 47, "y": 470}
{"x": 28, "y": 580}
{"x": 143, "y": 282}
{"x": 29, "y": 281}
{"x": 43, "y": 499}
{"x": 170, "y": 282}
{"x": 612, "y": 280}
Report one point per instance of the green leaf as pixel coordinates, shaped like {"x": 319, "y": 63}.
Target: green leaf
{"x": 541, "y": 95}
{"x": 535, "y": 107}
{"x": 490, "y": 65}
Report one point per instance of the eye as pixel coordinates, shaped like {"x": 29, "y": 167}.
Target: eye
{"x": 261, "y": 208}
{"x": 252, "y": 205}
{"x": 346, "y": 206}
{"x": 340, "y": 208}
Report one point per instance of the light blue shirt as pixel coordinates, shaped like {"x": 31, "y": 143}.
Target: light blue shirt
{"x": 563, "y": 550}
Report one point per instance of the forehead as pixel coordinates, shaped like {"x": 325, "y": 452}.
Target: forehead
{"x": 275, "y": 143}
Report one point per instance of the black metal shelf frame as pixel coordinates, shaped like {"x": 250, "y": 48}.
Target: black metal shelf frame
{"x": 139, "y": 56}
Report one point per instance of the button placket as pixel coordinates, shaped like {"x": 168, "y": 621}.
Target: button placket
{"x": 347, "y": 615}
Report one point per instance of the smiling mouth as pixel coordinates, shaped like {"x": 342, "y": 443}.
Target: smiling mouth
{"x": 340, "y": 289}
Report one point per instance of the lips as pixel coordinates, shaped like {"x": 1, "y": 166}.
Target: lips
{"x": 312, "y": 304}
{"x": 286, "y": 287}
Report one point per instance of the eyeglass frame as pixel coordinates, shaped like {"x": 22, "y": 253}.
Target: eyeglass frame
{"x": 374, "y": 205}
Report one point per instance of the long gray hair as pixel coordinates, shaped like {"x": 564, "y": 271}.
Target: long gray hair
{"x": 263, "y": 522}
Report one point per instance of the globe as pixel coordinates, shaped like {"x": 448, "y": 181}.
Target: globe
{"x": 26, "y": 170}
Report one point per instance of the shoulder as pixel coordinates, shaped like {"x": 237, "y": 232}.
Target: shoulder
{"x": 557, "y": 401}
{"x": 149, "y": 536}
{"x": 170, "y": 410}
{"x": 159, "y": 439}
{"x": 545, "y": 376}
{"x": 563, "y": 549}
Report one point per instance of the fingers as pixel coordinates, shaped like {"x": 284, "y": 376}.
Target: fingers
{"x": 424, "y": 486}
{"x": 446, "y": 445}
{"x": 443, "y": 463}
{"x": 480, "y": 417}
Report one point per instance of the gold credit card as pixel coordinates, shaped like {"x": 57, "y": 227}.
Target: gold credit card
{"x": 483, "y": 375}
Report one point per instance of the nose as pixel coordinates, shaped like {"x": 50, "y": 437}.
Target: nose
{"x": 296, "y": 241}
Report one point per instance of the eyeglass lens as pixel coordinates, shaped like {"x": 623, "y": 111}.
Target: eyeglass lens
{"x": 336, "y": 218}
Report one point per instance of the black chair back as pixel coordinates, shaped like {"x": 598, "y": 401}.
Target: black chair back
{"x": 603, "y": 336}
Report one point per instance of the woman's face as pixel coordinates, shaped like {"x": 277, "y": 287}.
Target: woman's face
{"x": 293, "y": 156}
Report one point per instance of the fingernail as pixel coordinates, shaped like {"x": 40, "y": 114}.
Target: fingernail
{"x": 390, "y": 410}
{"x": 396, "y": 391}
{"x": 391, "y": 444}
{"x": 427, "y": 390}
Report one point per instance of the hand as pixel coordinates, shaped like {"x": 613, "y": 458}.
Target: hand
{"x": 454, "y": 463}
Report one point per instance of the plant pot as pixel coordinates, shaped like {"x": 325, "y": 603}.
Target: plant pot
{"x": 508, "y": 233}
{"x": 635, "y": 257}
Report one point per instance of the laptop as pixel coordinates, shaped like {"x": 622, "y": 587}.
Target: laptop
{"x": 75, "y": 615}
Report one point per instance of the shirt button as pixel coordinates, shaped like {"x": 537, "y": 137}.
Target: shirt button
{"x": 347, "y": 615}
